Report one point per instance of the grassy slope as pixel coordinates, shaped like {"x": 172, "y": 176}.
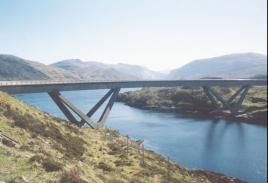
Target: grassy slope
{"x": 51, "y": 149}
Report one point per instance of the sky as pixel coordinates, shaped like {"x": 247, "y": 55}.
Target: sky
{"x": 157, "y": 34}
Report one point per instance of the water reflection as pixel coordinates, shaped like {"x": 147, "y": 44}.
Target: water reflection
{"x": 220, "y": 130}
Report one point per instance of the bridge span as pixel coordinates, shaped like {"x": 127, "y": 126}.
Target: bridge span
{"x": 53, "y": 88}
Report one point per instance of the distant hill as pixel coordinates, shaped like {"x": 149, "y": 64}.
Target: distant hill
{"x": 15, "y": 68}
{"x": 100, "y": 70}
{"x": 167, "y": 71}
{"x": 92, "y": 70}
{"x": 243, "y": 65}
{"x": 139, "y": 71}
{"x": 259, "y": 76}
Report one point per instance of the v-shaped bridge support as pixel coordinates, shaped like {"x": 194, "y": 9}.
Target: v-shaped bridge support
{"x": 63, "y": 103}
{"x": 226, "y": 104}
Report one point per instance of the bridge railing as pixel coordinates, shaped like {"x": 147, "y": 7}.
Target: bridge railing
{"x": 44, "y": 82}
{"x": 32, "y": 82}
{"x": 37, "y": 82}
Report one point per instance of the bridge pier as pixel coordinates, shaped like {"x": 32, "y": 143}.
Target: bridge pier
{"x": 226, "y": 104}
{"x": 63, "y": 103}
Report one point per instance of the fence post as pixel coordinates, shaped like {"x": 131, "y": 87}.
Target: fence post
{"x": 127, "y": 145}
{"x": 142, "y": 155}
{"x": 168, "y": 173}
{"x": 118, "y": 135}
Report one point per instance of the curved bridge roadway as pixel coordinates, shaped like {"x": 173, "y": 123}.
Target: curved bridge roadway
{"x": 53, "y": 88}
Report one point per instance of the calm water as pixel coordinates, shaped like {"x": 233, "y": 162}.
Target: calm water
{"x": 231, "y": 148}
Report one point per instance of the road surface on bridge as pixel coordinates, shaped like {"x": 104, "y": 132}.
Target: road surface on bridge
{"x": 20, "y": 87}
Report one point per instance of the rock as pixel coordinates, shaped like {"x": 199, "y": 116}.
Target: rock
{"x": 23, "y": 178}
{"x": 139, "y": 142}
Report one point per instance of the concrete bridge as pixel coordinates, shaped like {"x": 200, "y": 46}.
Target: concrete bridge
{"x": 53, "y": 88}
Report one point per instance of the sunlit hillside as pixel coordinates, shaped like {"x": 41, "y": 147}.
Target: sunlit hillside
{"x": 37, "y": 147}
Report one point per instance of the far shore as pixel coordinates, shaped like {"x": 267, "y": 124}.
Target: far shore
{"x": 258, "y": 119}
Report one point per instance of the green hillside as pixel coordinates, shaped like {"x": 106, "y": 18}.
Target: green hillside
{"x": 50, "y": 149}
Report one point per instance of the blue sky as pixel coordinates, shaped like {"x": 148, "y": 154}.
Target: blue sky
{"x": 157, "y": 34}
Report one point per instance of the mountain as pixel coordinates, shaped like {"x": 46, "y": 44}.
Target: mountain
{"x": 242, "y": 65}
{"x": 139, "y": 71}
{"x": 166, "y": 72}
{"x": 99, "y": 70}
{"x": 15, "y": 68}
{"x": 93, "y": 70}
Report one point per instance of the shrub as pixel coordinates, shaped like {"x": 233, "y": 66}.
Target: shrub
{"x": 7, "y": 104}
{"x": 8, "y": 143}
{"x": 181, "y": 96}
{"x": 15, "y": 180}
{"x": 113, "y": 146}
{"x": 48, "y": 164}
{"x": 34, "y": 135}
{"x": 104, "y": 167}
{"x": 25, "y": 148}
{"x": 123, "y": 162}
{"x": 37, "y": 158}
{"x": 71, "y": 128}
{"x": 51, "y": 165}
{"x": 75, "y": 146}
{"x": 71, "y": 176}
{"x": 112, "y": 152}
{"x": 225, "y": 90}
{"x": 116, "y": 180}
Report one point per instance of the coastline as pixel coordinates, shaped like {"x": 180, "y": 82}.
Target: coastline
{"x": 257, "y": 118}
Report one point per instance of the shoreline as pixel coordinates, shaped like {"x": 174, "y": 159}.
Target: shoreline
{"x": 202, "y": 174}
{"x": 208, "y": 114}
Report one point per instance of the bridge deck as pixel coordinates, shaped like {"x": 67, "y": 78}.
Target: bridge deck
{"x": 20, "y": 87}
{"x": 53, "y": 88}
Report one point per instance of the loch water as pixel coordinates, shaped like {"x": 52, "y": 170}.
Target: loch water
{"x": 233, "y": 148}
